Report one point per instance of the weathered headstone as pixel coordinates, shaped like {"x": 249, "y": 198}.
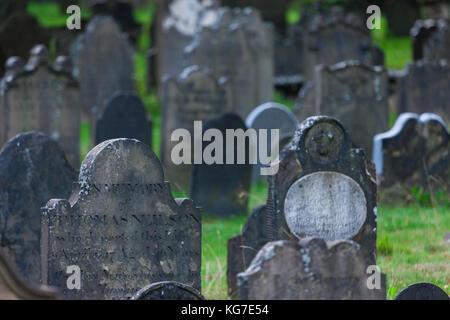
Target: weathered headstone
{"x": 196, "y": 95}
{"x": 422, "y": 291}
{"x": 122, "y": 227}
{"x": 354, "y": 93}
{"x": 168, "y": 290}
{"x": 42, "y": 97}
{"x": 414, "y": 153}
{"x": 104, "y": 63}
{"x": 124, "y": 116}
{"x": 309, "y": 269}
{"x": 437, "y": 47}
{"x": 33, "y": 169}
{"x": 425, "y": 87}
{"x": 271, "y": 116}
{"x": 222, "y": 188}
{"x": 420, "y": 33}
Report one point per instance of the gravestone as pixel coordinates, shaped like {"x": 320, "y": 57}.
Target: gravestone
{"x": 309, "y": 269}
{"x": 121, "y": 227}
{"x": 354, "y": 93}
{"x": 222, "y": 188}
{"x": 437, "y": 46}
{"x": 271, "y": 116}
{"x": 168, "y": 290}
{"x": 414, "y": 153}
{"x": 104, "y": 63}
{"x": 196, "y": 95}
{"x": 14, "y": 287}
{"x": 323, "y": 188}
{"x": 425, "y": 87}
{"x": 422, "y": 291}
{"x": 420, "y": 33}
{"x": 124, "y": 116}
{"x": 33, "y": 169}
{"x": 44, "y": 97}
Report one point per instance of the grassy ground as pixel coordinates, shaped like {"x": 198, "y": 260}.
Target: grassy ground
{"x": 411, "y": 245}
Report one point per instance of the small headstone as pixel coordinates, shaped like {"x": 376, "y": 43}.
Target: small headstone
{"x": 196, "y": 95}
{"x": 422, "y": 291}
{"x": 168, "y": 290}
{"x": 103, "y": 62}
{"x": 223, "y": 189}
{"x": 122, "y": 228}
{"x": 271, "y": 116}
{"x": 33, "y": 169}
{"x": 42, "y": 97}
{"x": 310, "y": 269}
{"x": 124, "y": 116}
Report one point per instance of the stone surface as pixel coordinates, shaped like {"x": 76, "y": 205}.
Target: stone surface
{"x": 44, "y": 97}
{"x": 196, "y": 95}
{"x": 223, "y": 189}
{"x": 104, "y": 63}
{"x": 121, "y": 226}
{"x": 124, "y": 116}
{"x": 310, "y": 269}
{"x": 401, "y": 15}
{"x": 271, "y": 116}
{"x": 33, "y": 169}
{"x": 168, "y": 290}
{"x": 422, "y": 291}
{"x": 431, "y": 40}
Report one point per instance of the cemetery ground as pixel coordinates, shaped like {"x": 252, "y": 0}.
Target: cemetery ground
{"x": 411, "y": 241}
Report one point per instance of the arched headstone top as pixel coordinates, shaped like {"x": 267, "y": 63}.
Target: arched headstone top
{"x": 422, "y": 291}
{"x": 168, "y": 290}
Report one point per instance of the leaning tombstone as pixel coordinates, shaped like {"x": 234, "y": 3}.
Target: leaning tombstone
{"x": 14, "y": 287}
{"x": 33, "y": 169}
{"x": 271, "y": 116}
{"x": 310, "y": 269}
{"x": 220, "y": 185}
{"x": 168, "y": 290}
{"x": 43, "y": 97}
{"x": 124, "y": 116}
{"x": 196, "y": 95}
{"x": 422, "y": 291}
{"x": 121, "y": 229}
{"x": 103, "y": 62}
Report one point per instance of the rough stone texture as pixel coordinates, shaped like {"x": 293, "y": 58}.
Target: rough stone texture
{"x": 124, "y": 116}
{"x": 424, "y": 87}
{"x": 422, "y": 291}
{"x": 42, "y": 97}
{"x": 33, "y": 169}
{"x": 104, "y": 63}
{"x": 354, "y": 93}
{"x": 238, "y": 46}
{"x": 223, "y": 189}
{"x": 437, "y": 47}
{"x": 122, "y": 227}
{"x": 196, "y": 95}
{"x": 311, "y": 269}
{"x": 420, "y": 33}
{"x": 414, "y": 153}
{"x": 168, "y": 290}
{"x": 271, "y": 116}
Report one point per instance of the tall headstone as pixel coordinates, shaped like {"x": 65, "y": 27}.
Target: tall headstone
{"x": 33, "y": 169}
{"x": 104, "y": 63}
{"x": 414, "y": 153}
{"x": 44, "y": 97}
{"x": 121, "y": 227}
{"x": 422, "y": 291}
{"x": 124, "y": 116}
{"x": 196, "y": 95}
{"x": 355, "y": 94}
{"x": 222, "y": 186}
{"x": 168, "y": 290}
{"x": 271, "y": 116}
{"x": 309, "y": 269}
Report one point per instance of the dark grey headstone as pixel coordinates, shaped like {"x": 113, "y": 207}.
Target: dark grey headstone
{"x": 223, "y": 189}
{"x": 401, "y": 15}
{"x": 124, "y": 116}
{"x": 43, "y": 97}
{"x": 422, "y": 291}
{"x": 420, "y": 33}
{"x": 310, "y": 269}
{"x": 122, "y": 227}
{"x": 168, "y": 290}
{"x": 33, "y": 169}
{"x": 437, "y": 47}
